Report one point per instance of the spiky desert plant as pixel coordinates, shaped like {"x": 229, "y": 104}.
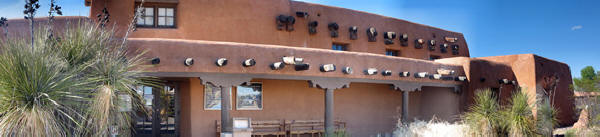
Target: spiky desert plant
{"x": 483, "y": 117}
{"x": 546, "y": 116}
{"x": 518, "y": 116}
{"x": 115, "y": 76}
{"x": 37, "y": 91}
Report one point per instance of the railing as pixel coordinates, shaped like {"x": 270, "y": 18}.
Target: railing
{"x": 287, "y": 128}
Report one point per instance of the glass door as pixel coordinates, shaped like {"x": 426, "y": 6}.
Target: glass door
{"x": 162, "y": 112}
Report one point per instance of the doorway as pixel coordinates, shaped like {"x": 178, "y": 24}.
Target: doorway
{"x": 162, "y": 112}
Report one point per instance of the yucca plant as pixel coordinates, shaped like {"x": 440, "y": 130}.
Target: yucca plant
{"x": 114, "y": 76}
{"x": 546, "y": 116}
{"x": 38, "y": 92}
{"x": 483, "y": 118}
{"x": 518, "y": 116}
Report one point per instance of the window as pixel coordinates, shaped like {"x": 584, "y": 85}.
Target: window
{"x": 166, "y": 17}
{"x": 434, "y": 57}
{"x": 390, "y": 52}
{"x": 249, "y": 97}
{"x": 212, "y": 99}
{"x": 339, "y": 47}
{"x": 156, "y": 16}
{"x": 146, "y": 17}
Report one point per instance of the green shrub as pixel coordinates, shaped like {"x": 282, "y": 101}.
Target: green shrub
{"x": 483, "y": 118}
{"x": 518, "y": 116}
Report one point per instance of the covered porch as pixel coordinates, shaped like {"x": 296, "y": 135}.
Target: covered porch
{"x": 368, "y": 104}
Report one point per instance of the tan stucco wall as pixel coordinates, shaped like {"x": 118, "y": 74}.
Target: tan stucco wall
{"x": 368, "y": 109}
{"x": 252, "y": 21}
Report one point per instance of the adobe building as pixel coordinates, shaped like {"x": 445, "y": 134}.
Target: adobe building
{"x": 296, "y": 67}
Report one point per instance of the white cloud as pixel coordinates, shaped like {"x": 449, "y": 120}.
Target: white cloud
{"x": 576, "y": 27}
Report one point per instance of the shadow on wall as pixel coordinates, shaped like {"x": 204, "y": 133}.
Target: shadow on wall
{"x": 486, "y": 74}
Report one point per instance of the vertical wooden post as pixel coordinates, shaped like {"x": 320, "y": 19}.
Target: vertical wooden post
{"x": 226, "y": 125}
{"x": 329, "y": 125}
{"x": 405, "y": 107}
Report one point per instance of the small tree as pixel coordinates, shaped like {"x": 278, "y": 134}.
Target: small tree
{"x": 589, "y": 80}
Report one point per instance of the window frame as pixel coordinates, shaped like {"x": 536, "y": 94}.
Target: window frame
{"x": 155, "y": 7}
{"x": 394, "y": 51}
{"x": 344, "y": 46}
{"x": 237, "y": 106}
{"x": 205, "y": 101}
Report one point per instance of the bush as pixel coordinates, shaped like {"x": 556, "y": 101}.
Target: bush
{"x": 484, "y": 117}
{"x": 518, "y": 116}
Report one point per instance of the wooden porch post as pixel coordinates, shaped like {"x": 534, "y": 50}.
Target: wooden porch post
{"x": 224, "y": 82}
{"x": 226, "y": 124}
{"x": 329, "y": 85}
{"x": 405, "y": 95}
{"x": 329, "y": 124}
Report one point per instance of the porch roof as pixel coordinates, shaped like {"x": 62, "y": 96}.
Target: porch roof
{"x": 173, "y": 52}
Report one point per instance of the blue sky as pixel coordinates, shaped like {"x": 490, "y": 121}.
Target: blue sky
{"x": 562, "y": 30}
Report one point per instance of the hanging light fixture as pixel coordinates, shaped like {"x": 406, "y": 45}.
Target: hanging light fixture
{"x": 277, "y": 66}
{"x": 371, "y": 71}
{"x": 155, "y": 61}
{"x": 327, "y": 68}
{"x": 249, "y": 63}
{"x": 386, "y": 73}
{"x": 188, "y": 62}
{"x": 404, "y": 74}
{"x": 347, "y": 70}
{"x": 301, "y": 67}
{"x": 221, "y": 62}
{"x": 421, "y": 75}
